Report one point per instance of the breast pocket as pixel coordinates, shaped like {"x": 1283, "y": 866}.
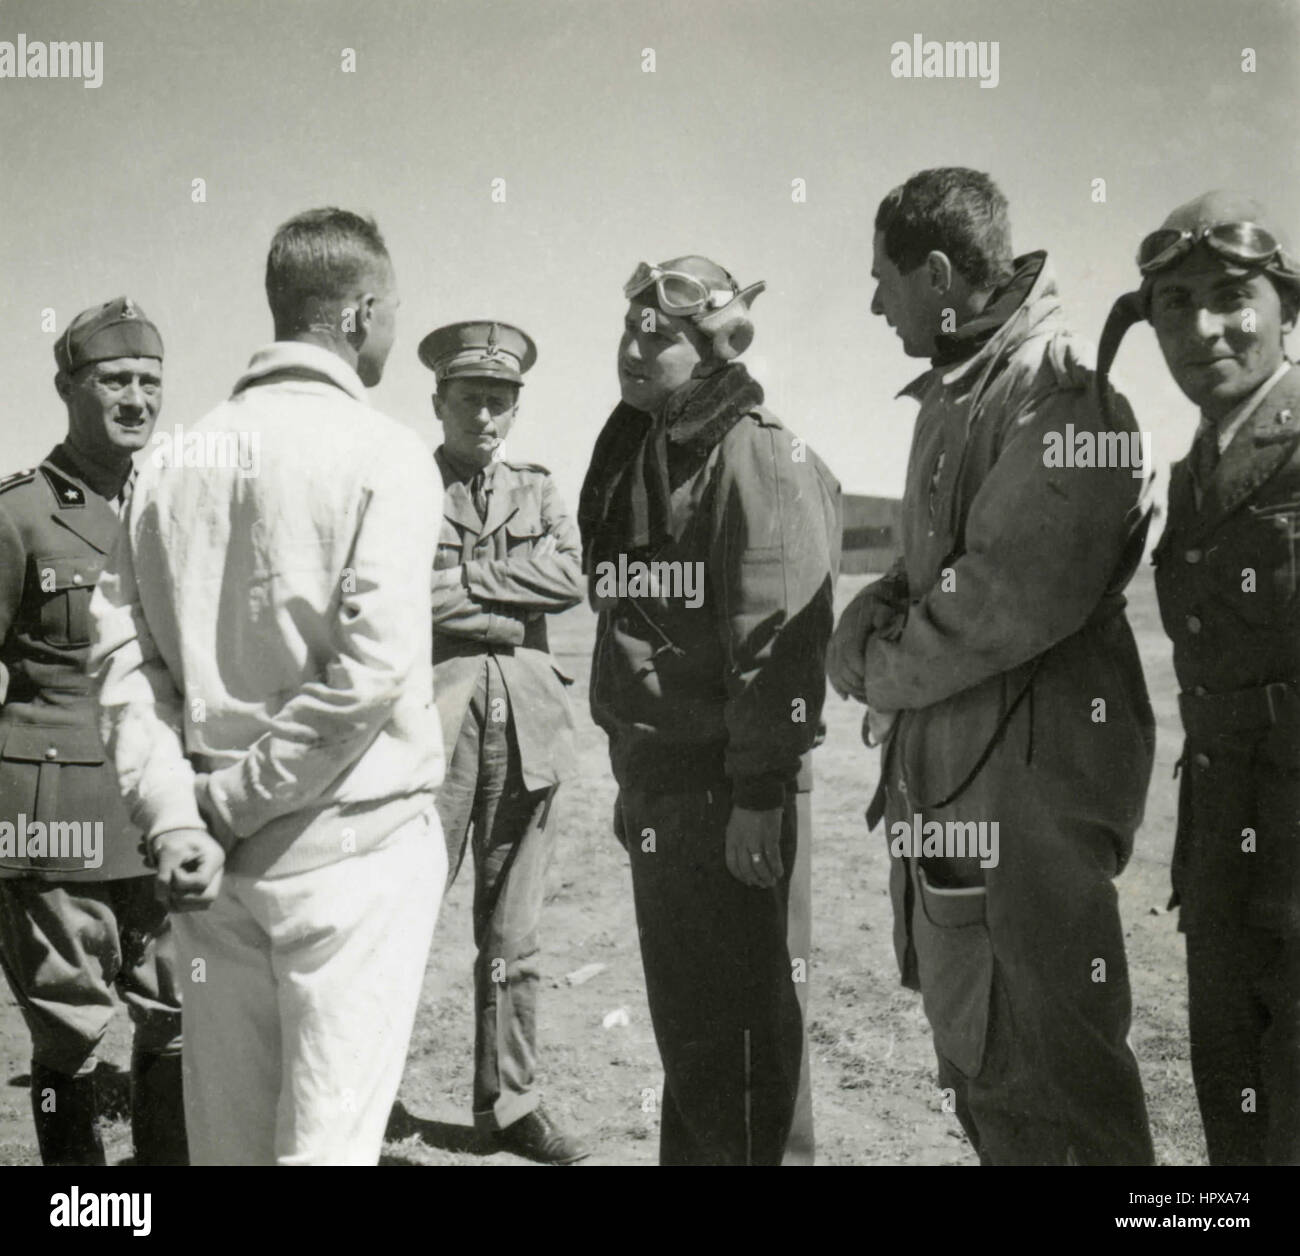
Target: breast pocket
{"x": 1276, "y": 528}
{"x": 65, "y": 586}
{"x": 523, "y": 530}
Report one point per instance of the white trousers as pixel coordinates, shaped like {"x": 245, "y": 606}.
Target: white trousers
{"x": 300, "y": 994}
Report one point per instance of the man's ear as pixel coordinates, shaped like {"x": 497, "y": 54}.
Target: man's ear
{"x": 939, "y": 271}
{"x": 437, "y": 405}
{"x": 63, "y": 384}
{"x": 365, "y": 311}
{"x": 1289, "y": 311}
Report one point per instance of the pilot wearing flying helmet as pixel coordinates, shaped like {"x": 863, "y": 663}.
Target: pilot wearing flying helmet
{"x": 1221, "y": 289}
{"x": 711, "y": 546}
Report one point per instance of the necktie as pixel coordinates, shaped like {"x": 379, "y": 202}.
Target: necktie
{"x": 123, "y": 498}
{"x": 1207, "y": 456}
{"x": 478, "y": 492}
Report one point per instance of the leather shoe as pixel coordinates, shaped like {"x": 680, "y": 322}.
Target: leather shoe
{"x": 537, "y": 1137}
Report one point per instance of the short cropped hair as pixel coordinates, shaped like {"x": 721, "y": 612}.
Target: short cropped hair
{"x": 961, "y": 213}
{"x": 320, "y": 254}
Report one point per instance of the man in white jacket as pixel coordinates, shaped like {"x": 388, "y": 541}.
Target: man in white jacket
{"x": 262, "y": 651}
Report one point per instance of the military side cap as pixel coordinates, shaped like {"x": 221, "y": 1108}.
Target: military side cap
{"x": 116, "y": 329}
{"x": 487, "y": 350}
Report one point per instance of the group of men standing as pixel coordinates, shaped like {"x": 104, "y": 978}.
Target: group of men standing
{"x": 313, "y": 687}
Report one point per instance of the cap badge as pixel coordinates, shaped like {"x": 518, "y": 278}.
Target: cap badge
{"x": 128, "y": 308}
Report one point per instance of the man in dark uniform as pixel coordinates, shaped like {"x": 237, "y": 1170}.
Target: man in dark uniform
{"x": 1221, "y": 289}
{"x": 711, "y": 538}
{"x": 78, "y": 913}
{"x": 508, "y": 556}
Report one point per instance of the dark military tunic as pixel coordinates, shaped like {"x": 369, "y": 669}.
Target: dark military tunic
{"x": 68, "y": 931}
{"x": 1226, "y": 576}
{"x": 55, "y": 533}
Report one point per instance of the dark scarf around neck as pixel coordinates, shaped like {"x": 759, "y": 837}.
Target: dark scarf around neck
{"x": 624, "y": 506}
{"x": 953, "y": 347}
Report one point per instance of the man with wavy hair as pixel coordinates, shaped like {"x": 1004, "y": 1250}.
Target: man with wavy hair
{"x": 996, "y": 662}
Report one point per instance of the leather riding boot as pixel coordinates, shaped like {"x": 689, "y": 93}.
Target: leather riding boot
{"x": 64, "y": 1109}
{"x": 158, "y": 1110}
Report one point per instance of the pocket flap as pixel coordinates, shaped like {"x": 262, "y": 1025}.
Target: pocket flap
{"x": 55, "y": 574}
{"x": 524, "y": 523}
{"x": 36, "y": 743}
{"x": 952, "y": 908}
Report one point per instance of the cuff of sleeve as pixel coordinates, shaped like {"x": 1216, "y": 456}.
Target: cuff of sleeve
{"x": 175, "y": 811}
{"x": 504, "y": 629}
{"x": 215, "y": 811}
{"x": 758, "y": 793}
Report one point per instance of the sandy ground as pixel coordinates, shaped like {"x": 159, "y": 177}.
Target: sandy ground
{"x": 874, "y": 1092}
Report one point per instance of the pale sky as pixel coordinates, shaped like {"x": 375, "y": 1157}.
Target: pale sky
{"x": 606, "y": 165}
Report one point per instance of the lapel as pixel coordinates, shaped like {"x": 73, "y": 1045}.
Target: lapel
{"x": 501, "y": 501}
{"x": 78, "y": 507}
{"x": 1182, "y": 498}
{"x": 457, "y": 504}
{"x": 1263, "y": 446}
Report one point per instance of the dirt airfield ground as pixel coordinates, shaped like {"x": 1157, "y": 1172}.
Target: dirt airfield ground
{"x": 874, "y": 1092}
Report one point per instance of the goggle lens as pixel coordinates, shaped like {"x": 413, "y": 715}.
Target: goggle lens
{"x": 682, "y": 293}
{"x": 1244, "y": 242}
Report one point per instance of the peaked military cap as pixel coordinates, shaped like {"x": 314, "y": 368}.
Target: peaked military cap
{"x": 485, "y": 349}
{"x": 116, "y": 329}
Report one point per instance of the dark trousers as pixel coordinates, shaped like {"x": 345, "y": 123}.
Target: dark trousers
{"x": 1025, "y": 984}
{"x": 64, "y": 945}
{"x": 513, "y": 840}
{"x": 726, "y": 969}
{"x": 1243, "y": 989}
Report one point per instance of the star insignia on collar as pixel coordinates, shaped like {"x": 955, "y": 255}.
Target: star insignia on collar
{"x": 66, "y": 493}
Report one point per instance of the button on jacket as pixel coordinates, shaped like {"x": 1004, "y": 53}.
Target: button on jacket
{"x": 55, "y": 533}
{"x": 499, "y": 608}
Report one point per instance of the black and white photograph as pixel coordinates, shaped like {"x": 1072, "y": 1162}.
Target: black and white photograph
{"x": 630, "y": 583}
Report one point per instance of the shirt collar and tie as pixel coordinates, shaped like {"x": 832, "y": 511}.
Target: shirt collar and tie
{"x": 479, "y": 480}
{"x": 1213, "y": 439}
